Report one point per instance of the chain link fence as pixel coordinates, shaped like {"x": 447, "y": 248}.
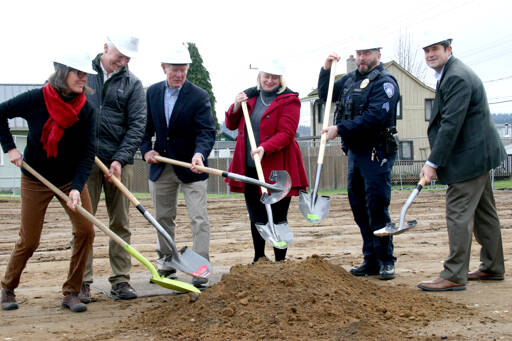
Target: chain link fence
{"x": 405, "y": 173}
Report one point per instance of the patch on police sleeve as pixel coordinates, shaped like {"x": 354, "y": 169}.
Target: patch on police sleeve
{"x": 389, "y": 89}
{"x": 385, "y": 106}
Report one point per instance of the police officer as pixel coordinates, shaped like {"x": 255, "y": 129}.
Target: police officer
{"x": 366, "y": 101}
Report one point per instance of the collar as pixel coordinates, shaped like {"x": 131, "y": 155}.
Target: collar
{"x": 173, "y": 91}
{"x": 440, "y": 74}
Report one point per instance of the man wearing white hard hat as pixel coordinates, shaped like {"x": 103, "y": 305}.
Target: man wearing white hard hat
{"x": 180, "y": 115}
{"x": 464, "y": 146}
{"x": 120, "y": 103}
{"x": 60, "y": 147}
{"x": 366, "y": 101}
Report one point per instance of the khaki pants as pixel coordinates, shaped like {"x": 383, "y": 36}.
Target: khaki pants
{"x": 164, "y": 192}
{"x": 117, "y": 208}
{"x": 470, "y": 208}
{"x": 35, "y": 198}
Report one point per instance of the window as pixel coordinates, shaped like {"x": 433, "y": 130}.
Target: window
{"x": 406, "y": 150}
{"x": 429, "y": 103}
{"x": 320, "y": 109}
{"x": 399, "y": 109}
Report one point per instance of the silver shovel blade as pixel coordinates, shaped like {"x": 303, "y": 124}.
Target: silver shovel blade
{"x": 279, "y": 190}
{"x": 192, "y": 263}
{"x": 314, "y": 210}
{"x": 282, "y": 237}
{"x": 390, "y": 229}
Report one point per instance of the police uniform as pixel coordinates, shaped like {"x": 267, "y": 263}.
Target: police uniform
{"x": 366, "y": 111}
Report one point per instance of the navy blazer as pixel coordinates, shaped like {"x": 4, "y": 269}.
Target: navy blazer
{"x": 191, "y": 129}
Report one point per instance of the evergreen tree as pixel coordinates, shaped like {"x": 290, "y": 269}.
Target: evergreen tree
{"x": 198, "y": 75}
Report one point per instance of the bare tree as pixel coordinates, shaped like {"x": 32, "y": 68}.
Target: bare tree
{"x": 410, "y": 56}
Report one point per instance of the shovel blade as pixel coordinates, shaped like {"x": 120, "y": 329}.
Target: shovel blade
{"x": 279, "y": 190}
{"x": 173, "y": 284}
{"x": 390, "y": 229}
{"x": 314, "y": 209}
{"x": 282, "y": 237}
{"x": 191, "y": 263}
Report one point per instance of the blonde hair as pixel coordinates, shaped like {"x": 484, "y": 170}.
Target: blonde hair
{"x": 282, "y": 82}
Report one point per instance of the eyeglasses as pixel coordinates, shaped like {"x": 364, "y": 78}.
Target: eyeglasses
{"x": 79, "y": 74}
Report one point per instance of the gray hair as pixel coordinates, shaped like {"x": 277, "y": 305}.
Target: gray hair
{"x": 58, "y": 79}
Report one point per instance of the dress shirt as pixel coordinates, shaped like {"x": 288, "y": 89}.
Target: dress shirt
{"x": 170, "y": 97}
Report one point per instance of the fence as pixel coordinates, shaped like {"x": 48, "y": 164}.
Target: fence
{"x": 334, "y": 170}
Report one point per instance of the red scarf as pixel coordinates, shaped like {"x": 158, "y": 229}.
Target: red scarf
{"x": 62, "y": 116}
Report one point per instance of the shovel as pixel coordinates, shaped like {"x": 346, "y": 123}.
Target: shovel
{"x": 156, "y": 278}
{"x": 188, "y": 261}
{"x": 390, "y": 228}
{"x": 313, "y": 207}
{"x": 278, "y": 235}
{"x": 278, "y": 190}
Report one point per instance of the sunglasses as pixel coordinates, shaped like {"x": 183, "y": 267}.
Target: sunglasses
{"x": 79, "y": 74}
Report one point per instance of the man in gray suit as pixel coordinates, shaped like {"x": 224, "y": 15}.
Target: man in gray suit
{"x": 464, "y": 147}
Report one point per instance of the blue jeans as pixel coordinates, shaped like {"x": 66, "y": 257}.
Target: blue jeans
{"x": 369, "y": 194}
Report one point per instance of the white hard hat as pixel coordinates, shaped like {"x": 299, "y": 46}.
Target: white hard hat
{"x": 127, "y": 45}
{"x": 429, "y": 41}
{"x": 367, "y": 45}
{"x": 177, "y": 55}
{"x": 78, "y": 61}
{"x": 274, "y": 67}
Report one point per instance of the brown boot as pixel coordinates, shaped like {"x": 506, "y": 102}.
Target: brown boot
{"x": 72, "y": 302}
{"x": 9, "y": 300}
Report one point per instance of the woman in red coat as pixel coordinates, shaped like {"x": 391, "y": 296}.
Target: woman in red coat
{"x": 275, "y": 112}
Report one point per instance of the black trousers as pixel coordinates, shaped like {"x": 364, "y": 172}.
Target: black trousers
{"x": 258, "y": 214}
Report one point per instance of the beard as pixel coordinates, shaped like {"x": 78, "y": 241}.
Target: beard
{"x": 364, "y": 68}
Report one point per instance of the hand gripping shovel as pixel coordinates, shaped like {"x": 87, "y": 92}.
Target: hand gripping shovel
{"x": 278, "y": 235}
{"x": 162, "y": 281}
{"x": 278, "y": 190}
{"x": 188, "y": 261}
{"x": 390, "y": 228}
{"x": 313, "y": 207}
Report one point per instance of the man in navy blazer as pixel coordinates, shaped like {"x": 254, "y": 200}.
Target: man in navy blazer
{"x": 179, "y": 113}
{"x": 465, "y": 146}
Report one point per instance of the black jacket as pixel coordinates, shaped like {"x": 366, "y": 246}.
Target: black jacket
{"x": 75, "y": 154}
{"x": 121, "y": 108}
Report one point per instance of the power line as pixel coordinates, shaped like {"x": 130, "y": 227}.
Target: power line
{"x": 498, "y": 79}
{"x": 510, "y": 100}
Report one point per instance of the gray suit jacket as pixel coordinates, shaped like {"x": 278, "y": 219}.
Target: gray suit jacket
{"x": 463, "y": 139}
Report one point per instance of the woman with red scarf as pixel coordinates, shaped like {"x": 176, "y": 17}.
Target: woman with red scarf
{"x": 61, "y": 147}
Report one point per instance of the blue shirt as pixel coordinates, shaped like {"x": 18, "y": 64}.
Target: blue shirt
{"x": 170, "y": 97}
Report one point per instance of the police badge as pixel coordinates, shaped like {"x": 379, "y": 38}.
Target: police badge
{"x": 364, "y": 83}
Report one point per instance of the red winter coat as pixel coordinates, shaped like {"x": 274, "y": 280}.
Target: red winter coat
{"x": 278, "y": 127}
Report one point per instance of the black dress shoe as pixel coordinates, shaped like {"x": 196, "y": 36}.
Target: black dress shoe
{"x": 365, "y": 269}
{"x": 387, "y": 272}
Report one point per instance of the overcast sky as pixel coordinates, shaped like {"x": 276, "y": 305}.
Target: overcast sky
{"x": 230, "y": 35}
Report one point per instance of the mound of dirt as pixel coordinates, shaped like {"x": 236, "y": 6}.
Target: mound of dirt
{"x": 308, "y": 300}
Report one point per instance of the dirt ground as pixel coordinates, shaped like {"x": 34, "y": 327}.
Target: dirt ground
{"x": 309, "y": 297}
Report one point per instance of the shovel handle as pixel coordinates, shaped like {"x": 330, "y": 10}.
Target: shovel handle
{"x": 204, "y": 169}
{"x": 422, "y": 182}
{"x": 116, "y": 182}
{"x": 80, "y": 209}
{"x": 252, "y": 141}
{"x": 327, "y": 112}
